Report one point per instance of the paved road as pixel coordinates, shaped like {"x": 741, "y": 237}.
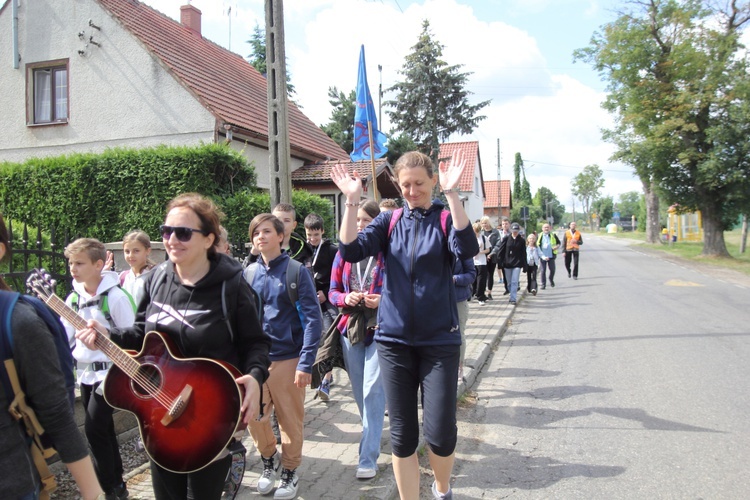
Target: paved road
{"x": 631, "y": 382}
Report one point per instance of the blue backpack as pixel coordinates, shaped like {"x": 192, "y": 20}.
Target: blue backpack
{"x": 8, "y": 302}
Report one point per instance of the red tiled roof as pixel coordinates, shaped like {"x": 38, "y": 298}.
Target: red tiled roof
{"x": 471, "y": 153}
{"x": 321, "y": 172}
{"x": 492, "y": 191}
{"x": 227, "y": 85}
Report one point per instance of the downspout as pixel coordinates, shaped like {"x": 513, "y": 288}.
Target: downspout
{"x": 16, "y": 55}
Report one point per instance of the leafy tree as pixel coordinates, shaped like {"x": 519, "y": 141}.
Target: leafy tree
{"x": 431, "y": 102}
{"x": 629, "y": 204}
{"x": 603, "y": 208}
{"x": 586, "y": 186}
{"x": 521, "y": 187}
{"x": 341, "y": 126}
{"x": 550, "y": 205}
{"x": 257, "y": 59}
{"x": 398, "y": 145}
{"x": 679, "y": 89}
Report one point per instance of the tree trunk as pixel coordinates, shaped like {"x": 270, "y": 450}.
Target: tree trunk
{"x": 653, "y": 229}
{"x": 743, "y": 239}
{"x": 713, "y": 232}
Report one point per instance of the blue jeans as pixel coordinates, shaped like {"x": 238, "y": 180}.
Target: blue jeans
{"x": 513, "y": 274}
{"x": 363, "y": 368}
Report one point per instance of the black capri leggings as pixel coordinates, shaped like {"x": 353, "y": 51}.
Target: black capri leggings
{"x": 404, "y": 369}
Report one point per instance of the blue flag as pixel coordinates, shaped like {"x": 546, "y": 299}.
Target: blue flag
{"x": 365, "y": 113}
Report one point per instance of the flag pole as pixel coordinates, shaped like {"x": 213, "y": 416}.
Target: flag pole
{"x": 372, "y": 160}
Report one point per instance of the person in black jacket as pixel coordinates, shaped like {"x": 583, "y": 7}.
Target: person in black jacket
{"x": 512, "y": 258}
{"x": 494, "y": 237}
{"x": 186, "y": 305}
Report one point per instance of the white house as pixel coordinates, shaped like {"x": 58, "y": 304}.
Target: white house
{"x": 86, "y": 75}
{"x": 471, "y": 185}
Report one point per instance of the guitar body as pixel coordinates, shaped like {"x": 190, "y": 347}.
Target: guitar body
{"x": 208, "y": 418}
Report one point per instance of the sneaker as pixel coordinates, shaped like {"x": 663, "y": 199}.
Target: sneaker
{"x": 482, "y": 302}
{"x": 575, "y": 277}
{"x": 288, "y": 485}
{"x": 512, "y": 302}
{"x": 568, "y": 275}
{"x": 544, "y": 287}
{"x": 506, "y": 292}
{"x": 551, "y": 283}
{"x": 533, "y": 292}
{"x": 117, "y": 493}
{"x": 489, "y": 296}
{"x": 437, "y": 494}
{"x": 364, "y": 473}
{"x": 271, "y": 468}
{"x": 324, "y": 390}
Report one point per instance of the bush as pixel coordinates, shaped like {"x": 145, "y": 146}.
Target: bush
{"x": 106, "y": 195}
{"x": 241, "y": 207}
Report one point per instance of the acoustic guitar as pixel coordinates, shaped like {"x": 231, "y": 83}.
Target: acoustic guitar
{"x": 188, "y": 409}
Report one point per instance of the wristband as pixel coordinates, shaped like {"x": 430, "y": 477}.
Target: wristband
{"x": 452, "y": 190}
{"x": 347, "y": 204}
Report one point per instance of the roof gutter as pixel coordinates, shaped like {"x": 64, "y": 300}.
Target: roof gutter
{"x": 16, "y": 55}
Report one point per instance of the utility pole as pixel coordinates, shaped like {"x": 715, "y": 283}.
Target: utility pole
{"x": 280, "y": 176}
{"x": 499, "y": 187}
{"x": 380, "y": 96}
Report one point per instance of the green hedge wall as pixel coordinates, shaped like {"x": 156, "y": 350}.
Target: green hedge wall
{"x": 106, "y": 195}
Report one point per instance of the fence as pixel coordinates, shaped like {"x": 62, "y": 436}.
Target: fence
{"x": 45, "y": 252}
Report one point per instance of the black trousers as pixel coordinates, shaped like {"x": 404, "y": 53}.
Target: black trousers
{"x": 480, "y": 283}
{"x": 100, "y": 433}
{"x": 490, "y": 273}
{"x": 531, "y": 278}
{"x": 574, "y": 256}
{"x": 207, "y": 483}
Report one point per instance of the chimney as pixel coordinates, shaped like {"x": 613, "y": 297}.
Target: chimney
{"x": 191, "y": 17}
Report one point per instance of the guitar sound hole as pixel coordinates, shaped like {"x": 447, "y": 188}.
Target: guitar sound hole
{"x": 148, "y": 375}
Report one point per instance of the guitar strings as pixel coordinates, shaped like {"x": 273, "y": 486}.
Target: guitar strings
{"x": 161, "y": 396}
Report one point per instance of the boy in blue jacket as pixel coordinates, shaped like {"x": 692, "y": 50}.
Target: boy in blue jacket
{"x": 295, "y": 332}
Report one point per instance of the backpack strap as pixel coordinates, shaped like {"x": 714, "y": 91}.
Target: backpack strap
{"x": 7, "y": 304}
{"x": 396, "y": 215}
{"x": 292, "y": 280}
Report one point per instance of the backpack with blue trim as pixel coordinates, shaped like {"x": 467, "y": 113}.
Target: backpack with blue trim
{"x": 40, "y": 446}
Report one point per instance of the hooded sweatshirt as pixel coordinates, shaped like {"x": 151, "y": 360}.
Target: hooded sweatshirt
{"x": 294, "y": 328}
{"x": 90, "y": 307}
{"x": 418, "y": 301}
{"x": 192, "y": 316}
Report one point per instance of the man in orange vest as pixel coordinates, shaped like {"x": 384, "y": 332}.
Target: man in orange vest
{"x": 571, "y": 243}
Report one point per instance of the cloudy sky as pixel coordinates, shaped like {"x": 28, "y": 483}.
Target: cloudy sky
{"x": 544, "y": 105}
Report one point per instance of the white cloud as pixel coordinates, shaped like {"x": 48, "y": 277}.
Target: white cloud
{"x": 552, "y": 119}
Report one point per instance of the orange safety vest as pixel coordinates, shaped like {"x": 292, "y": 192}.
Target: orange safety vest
{"x": 572, "y": 240}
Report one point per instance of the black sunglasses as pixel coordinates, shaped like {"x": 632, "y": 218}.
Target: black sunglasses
{"x": 181, "y": 233}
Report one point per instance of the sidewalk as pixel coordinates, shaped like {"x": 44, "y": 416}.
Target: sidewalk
{"x": 332, "y": 429}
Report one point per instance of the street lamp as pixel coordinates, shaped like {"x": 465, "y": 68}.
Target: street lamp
{"x": 548, "y": 212}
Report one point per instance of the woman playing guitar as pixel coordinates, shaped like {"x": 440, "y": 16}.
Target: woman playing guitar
{"x": 203, "y": 308}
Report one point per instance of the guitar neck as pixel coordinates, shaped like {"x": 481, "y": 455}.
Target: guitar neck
{"x": 119, "y": 357}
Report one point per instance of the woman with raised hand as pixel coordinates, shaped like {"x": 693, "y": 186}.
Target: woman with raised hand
{"x": 418, "y": 337}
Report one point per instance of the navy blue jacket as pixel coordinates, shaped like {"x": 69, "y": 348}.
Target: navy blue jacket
{"x": 294, "y": 329}
{"x": 464, "y": 274}
{"x": 418, "y": 301}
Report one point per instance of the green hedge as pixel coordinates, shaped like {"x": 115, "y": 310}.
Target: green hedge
{"x": 106, "y": 195}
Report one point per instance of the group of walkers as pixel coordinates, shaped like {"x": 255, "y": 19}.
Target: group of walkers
{"x": 505, "y": 249}
{"x": 265, "y": 318}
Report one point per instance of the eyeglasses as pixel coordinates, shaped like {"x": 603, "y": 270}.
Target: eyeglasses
{"x": 181, "y": 233}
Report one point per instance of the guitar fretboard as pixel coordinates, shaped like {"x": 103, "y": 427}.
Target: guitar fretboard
{"x": 119, "y": 357}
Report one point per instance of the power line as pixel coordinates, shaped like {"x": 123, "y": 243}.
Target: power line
{"x": 577, "y": 168}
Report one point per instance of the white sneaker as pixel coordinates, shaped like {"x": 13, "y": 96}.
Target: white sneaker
{"x": 436, "y": 494}
{"x": 363, "y": 473}
{"x": 271, "y": 468}
{"x": 288, "y": 485}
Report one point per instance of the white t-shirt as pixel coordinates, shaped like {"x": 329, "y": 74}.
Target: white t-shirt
{"x": 480, "y": 259}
